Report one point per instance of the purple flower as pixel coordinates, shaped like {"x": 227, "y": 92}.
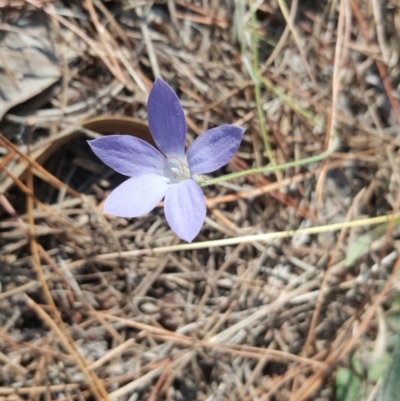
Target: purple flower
{"x": 167, "y": 172}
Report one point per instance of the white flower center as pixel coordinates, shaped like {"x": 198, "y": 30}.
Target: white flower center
{"x": 176, "y": 170}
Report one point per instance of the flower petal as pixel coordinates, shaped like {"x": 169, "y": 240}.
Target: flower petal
{"x": 185, "y": 209}
{"x": 136, "y": 196}
{"x": 167, "y": 120}
{"x": 128, "y": 155}
{"x": 213, "y": 149}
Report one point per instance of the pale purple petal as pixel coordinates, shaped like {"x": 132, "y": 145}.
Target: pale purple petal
{"x": 136, "y": 196}
{"x": 213, "y": 149}
{"x": 128, "y": 155}
{"x": 185, "y": 209}
{"x": 167, "y": 120}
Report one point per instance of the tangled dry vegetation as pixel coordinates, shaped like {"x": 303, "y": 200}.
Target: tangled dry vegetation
{"x": 103, "y": 308}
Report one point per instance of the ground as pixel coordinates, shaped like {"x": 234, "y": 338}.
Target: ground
{"x": 290, "y": 291}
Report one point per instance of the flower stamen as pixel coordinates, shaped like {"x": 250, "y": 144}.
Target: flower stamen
{"x": 176, "y": 170}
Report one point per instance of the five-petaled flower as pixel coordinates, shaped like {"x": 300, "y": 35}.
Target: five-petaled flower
{"x": 167, "y": 172}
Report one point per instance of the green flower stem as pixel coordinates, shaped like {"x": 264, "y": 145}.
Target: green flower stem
{"x": 272, "y": 169}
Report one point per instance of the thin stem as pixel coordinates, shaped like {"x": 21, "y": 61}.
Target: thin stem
{"x": 309, "y": 116}
{"x": 391, "y": 218}
{"x": 240, "y": 26}
{"x": 272, "y": 169}
{"x": 257, "y": 87}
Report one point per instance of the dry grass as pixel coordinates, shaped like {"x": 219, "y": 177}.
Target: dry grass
{"x": 103, "y": 308}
